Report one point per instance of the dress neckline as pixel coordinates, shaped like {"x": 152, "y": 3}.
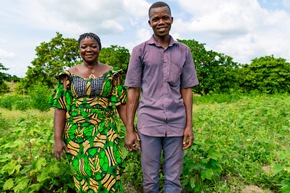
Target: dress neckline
{"x": 97, "y": 77}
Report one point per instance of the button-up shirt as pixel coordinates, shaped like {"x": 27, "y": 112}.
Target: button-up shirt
{"x": 161, "y": 73}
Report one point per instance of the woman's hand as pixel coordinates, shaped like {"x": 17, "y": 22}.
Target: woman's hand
{"x": 132, "y": 141}
{"x": 59, "y": 148}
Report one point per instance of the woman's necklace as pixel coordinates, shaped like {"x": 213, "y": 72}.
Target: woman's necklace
{"x": 91, "y": 71}
{"x": 92, "y": 75}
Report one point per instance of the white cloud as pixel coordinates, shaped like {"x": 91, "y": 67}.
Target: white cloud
{"x": 5, "y": 54}
{"x": 243, "y": 29}
{"x": 73, "y": 17}
{"x": 221, "y": 18}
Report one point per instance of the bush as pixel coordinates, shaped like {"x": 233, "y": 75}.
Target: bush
{"x": 4, "y": 87}
{"x": 19, "y": 88}
{"x": 23, "y": 104}
{"x": 39, "y": 97}
{"x": 16, "y": 102}
{"x": 6, "y": 102}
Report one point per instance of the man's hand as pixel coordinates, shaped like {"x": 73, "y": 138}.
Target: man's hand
{"x": 59, "y": 148}
{"x": 188, "y": 137}
{"x": 132, "y": 141}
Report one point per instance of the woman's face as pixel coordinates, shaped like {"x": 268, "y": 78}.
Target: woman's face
{"x": 89, "y": 50}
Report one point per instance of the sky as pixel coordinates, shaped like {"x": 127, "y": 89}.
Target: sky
{"x": 242, "y": 29}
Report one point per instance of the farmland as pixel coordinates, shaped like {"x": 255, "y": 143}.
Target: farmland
{"x": 241, "y": 145}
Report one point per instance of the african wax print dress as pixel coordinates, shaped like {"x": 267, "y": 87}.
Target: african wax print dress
{"x": 90, "y": 132}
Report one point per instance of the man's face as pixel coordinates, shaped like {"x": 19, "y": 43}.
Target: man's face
{"x": 160, "y": 20}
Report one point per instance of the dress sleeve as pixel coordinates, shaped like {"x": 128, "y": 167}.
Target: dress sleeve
{"x": 119, "y": 92}
{"x": 61, "y": 97}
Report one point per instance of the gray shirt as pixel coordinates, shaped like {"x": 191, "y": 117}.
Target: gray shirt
{"x": 160, "y": 73}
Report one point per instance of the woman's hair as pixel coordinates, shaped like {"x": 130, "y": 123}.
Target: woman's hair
{"x": 159, "y": 4}
{"x": 90, "y": 35}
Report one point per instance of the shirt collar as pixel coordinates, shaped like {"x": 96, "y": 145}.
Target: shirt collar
{"x": 153, "y": 41}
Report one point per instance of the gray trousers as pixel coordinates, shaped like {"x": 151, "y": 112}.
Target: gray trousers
{"x": 151, "y": 148}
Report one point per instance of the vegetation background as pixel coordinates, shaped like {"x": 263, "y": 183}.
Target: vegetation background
{"x": 241, "y": 124}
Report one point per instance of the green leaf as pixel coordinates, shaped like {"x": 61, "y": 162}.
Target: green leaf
{"x": 22, "y": 184}
{"x": 5, "y": 157}
{"x": 192, "y": 183}
{"x": 8, "y": 184}
{"x": 17, "y": 168}
{"x": 54, "y": 167}
{"x": 277, "y": 168}
{"x": 206, "y": 174}
{"x": 124, "y": 152}
{"x": 9, "y": 168}
{"x": 35, "y": 187}
{"x": 40, "y": 162}
{"x": 214, "y": 154}
{"x": 43, "y": 176}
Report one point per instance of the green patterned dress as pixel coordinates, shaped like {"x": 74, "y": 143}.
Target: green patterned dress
{"x": 90, "y": 132}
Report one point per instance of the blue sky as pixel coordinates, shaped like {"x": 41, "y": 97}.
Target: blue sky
{"x": 242, "y": 29}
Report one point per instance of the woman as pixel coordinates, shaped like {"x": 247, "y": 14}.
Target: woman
{"x": 84, "y": 125}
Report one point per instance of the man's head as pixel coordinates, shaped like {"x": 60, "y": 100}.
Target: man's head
{"x": 160, "y": 19}
{"x": 158, "y": 4}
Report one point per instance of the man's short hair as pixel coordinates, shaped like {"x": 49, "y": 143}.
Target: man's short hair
{"x": 158, "y": 4}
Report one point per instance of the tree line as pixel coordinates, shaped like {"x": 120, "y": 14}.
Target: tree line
{"x": 217, "y": 72}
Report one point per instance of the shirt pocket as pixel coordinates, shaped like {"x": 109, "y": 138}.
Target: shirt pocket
{"x": 174, "y": 74}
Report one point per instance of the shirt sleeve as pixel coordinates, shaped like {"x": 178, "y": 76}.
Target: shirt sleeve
{"x": 135, "y": 69}
{"x": 188, "y": 76}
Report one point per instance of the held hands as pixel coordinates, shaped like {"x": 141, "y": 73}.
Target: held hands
{"x": 188, "y": 138}
{"x": 132, "y": 141}
{"x": 59, "y": 148}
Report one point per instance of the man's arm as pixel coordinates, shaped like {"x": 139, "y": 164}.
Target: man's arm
{"x": 132, "y": 138}
{"x": 188, "y": 136}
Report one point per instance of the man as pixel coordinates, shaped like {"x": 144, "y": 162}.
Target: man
{"x": 162, "y": 70}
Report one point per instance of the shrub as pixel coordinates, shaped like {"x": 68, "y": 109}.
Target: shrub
{"x": 23, "y": 104}
{"x": 6, "y": 102}
{"x": 39, "y": 97}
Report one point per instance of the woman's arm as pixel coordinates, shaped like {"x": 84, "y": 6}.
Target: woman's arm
{"x": 122, "y": 113}
{"x": 59, "y": 124}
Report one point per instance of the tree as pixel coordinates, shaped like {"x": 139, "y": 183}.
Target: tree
{"x": 216, "y": 72}
{"x": 115, "y": 56}
{"x": 3, "y": 76}
{"x": 59, "y": 52}
{"x": 266, "y": 74}
{"x": 51, "y": 57}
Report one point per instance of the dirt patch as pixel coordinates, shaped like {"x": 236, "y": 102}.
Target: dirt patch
{"x": 267, "y": 169}
{"x": 254, "y": 189}
{"x": 129, "y": 188}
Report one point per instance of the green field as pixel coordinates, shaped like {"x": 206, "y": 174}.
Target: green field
{"x": 241, "y": 145}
